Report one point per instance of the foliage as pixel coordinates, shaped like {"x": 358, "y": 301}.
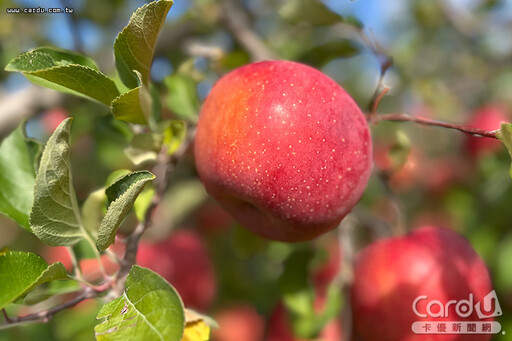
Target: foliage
{"x": 111, "y": 171}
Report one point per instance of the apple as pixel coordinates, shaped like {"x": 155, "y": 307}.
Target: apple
{"x": 284, "y": 149}
{"x": 238, "y": 323}
{"x": 489, "y": 118}
{"x": 183, "y": 260}
{"x": 434, "y": 174}
{"x": 90, "y": 267}
{"x": 52, "y": 118}
{"x": 391, "y": 274}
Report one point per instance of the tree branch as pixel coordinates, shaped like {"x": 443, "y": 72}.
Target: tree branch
{"x": 236, "y": 21}
{"x": 163, "y": 171}
{"x": 401, "y": 117}
{"x": 47, "y": 315}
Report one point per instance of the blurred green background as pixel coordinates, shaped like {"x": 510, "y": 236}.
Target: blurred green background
{"x": 451, "y": 58}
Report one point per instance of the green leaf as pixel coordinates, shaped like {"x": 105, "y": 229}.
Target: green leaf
{"x": 245, "y": 243}
{"x": 298, "y": 295}
{"x": 144, "y": 148}
{"x": 322, "y": 54}
{"x": 314, "y": 12}
{"x": 93, "y": 210}
{"x": 121, "y": 196}
{"x": 143, "y": 202}
{"x": 295, "y": 287}
{"x": 135, "y": 45}
{"x": 505, "y": 136}
{"x": 156, "y": 103}
{"x": 65, "y": 57}
{"x": 66, "y": 72}
{"x": 134, "y": 106}
{"x": 149, "y": 309}
{"x": 116, "y": 175}
{"x": 20, "y": 272}
{"x": 17, "y": 176}
{"x": 43, "y": 292}
{"x": 182, "y": 96}
{"x": 400, "y": 150}
{"x": 127, "y": 107}
{"x": 174, "y": 135}
{"x": 55, "y": 217}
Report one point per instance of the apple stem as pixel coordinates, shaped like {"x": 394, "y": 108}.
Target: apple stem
{"x": 74, "y": 261}
{"x": 376, "y": 101}
{"x": 402, "y": 117}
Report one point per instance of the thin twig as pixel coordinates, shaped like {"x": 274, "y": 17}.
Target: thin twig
{"x": 47, "y": 315}
{"x": 163, "y": 170}
{"x": 385, "y": 63}
{"x": 7, "y": 318}
{"x": 399, "y": 228}
{"x": 167, "y": 164}
{"x": 375, "y": 102}
{"x": 237, "y": 22}
{"x": 461, "y": 18}
{"x": 76, "y": 266}
{"x": 401, "y": 117}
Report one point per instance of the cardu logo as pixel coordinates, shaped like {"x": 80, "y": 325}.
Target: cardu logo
{"x": 489, "y": 307}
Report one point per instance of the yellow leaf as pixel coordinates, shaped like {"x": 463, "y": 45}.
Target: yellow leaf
{"x": 196, "y": 331}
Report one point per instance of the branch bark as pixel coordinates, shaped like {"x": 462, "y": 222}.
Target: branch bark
{"x": 401, "y": 117}
{"x": 47, "y": 315}
{"x": 236, "y": 21}
{"x": 163, "y": 171}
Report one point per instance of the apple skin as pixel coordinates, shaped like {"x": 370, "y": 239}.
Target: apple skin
{"x": 183, "y": 260}
{"x": 391, "y": 273}
{"x": 489, "y": 118}
{"x": 284, "y": 149}
{"x": 238, "y": 323}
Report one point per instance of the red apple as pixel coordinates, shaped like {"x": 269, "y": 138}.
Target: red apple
{"x": 183, "y": 261}
{"x": 239, "y": 323}
{"x": 52, "y": 118}
{"x": 90, "y": 267}
{"x": 284, "y": 149}
{"x": 489, "y": 118}
{"x": 392, "y": 275}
